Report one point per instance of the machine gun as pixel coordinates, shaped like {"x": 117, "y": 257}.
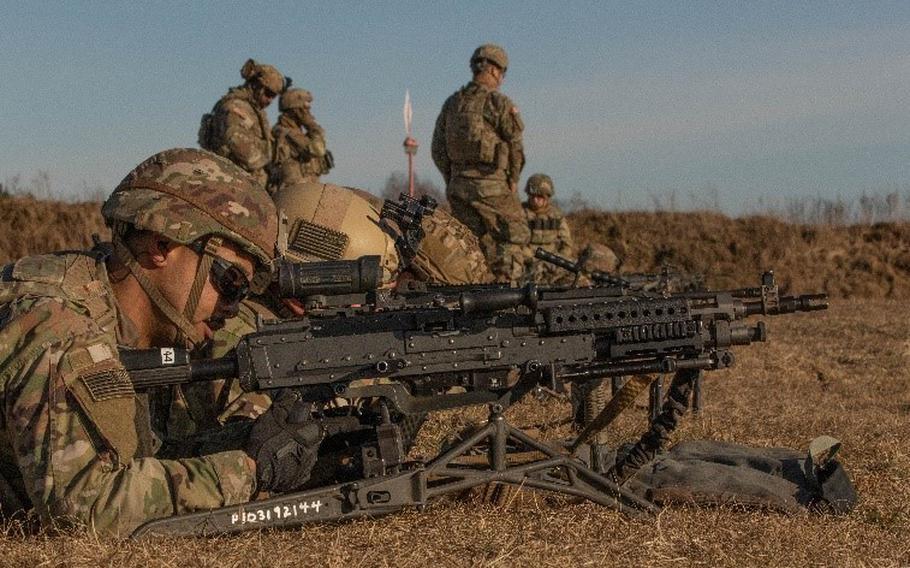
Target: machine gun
{"x": 484, "y": 345}
{"x": 665, "y": 281}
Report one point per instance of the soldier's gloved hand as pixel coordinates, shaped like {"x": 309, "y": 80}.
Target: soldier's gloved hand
{"x": 299, "y": 138}
{"x": 284, "y": 442}
{"x": 308, "y": 120}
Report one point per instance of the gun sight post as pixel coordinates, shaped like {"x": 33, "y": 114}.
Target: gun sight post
{"x": 408, "y": 214}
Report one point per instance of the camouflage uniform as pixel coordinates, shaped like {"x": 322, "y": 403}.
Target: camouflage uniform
{"x": 449, "y": 253}
{"x": 477, "y": 146}
{"x": 299, "y": 156}
{"x": 76, "y": 442}
{"x": 238, "y": 129}
{"x": 224, "y": 401}
{"x": 549, "y": 231}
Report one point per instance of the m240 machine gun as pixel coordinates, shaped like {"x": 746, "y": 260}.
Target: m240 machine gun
{"x": 485, "y": 345}
{"x": 666, "y": 281}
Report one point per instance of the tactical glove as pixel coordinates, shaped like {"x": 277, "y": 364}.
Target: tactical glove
{"x": 308, "y": 120}
{"x": 284, "y": 442}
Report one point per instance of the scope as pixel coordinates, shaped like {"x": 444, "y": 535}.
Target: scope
{"x": 329, "y": 278}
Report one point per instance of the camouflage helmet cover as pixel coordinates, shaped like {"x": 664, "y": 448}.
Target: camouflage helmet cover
{"x": 295, "y": 98}
{"x": 539, "y": 184}
{"x": 266, "y": 75}
{"x": 185, "y": 194}
{"x": 491, "y": 52}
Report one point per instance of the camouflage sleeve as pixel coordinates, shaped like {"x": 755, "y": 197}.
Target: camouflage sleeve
{"x": 307, "y": 144}
{"x": 242, "y": 135}
{"x": 438, "y": 149}
{"x": 233, "y": 403}
{"x": 78, "y": 426}
{"x": 510, "y": 128}
{"x": 566, "y": 246}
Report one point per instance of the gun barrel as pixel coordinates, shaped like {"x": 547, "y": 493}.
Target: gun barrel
{"x": 804, "y": 303}
{"x": 149, "y": 368}
{"x": 336, "y": 277}
{"x": 556, "y": 260}
{"x": 597, "y": 276}
{"x": 789, "y": 305}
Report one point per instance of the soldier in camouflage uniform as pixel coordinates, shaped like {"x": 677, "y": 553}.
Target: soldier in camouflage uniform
{"x": 549, "y": 231}
{"x": 192, "y": 234}
{"x": 477, "y": 146}
{"x": 238, "y": 128}
{"x": 300, "y": 152}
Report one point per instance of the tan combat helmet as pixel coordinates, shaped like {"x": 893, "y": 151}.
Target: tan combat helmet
{"x": 266, "y": 75}
{"x": 295, "y": 98}
{"x": 186, "y": 195}
{"x": 330, "y": 222}
{"x": 492, "y": 53}
{"x": 539, "y": 184}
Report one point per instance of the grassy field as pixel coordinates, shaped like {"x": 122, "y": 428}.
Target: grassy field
{"x": 845, "y": 261}
{"x": 841, "y": 372}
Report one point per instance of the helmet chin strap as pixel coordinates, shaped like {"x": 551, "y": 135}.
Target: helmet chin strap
{"x": 186, "y": 333}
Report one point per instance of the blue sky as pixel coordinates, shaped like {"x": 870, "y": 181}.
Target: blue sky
{"x": 624, "y": 103}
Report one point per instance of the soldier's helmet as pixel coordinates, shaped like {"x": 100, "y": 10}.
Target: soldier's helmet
{"x": 185, "y": 194}
{"x": 266, "y": 75}
{"x": 295, "y": 98}
{"x": 331, "y": 222}
{"x": 539, "y": 184}
{"x": 493, "y": 53}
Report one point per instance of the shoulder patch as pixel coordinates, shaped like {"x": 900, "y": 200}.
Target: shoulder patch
{"x": 106, "y": 381}
{"x": 46, "y": 268}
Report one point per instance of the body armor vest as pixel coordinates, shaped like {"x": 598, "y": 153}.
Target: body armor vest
{"x": 471, "y": 140}
{"x": 544, "y": 227}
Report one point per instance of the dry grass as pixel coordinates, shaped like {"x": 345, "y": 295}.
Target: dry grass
{"x": 32, "y": 226}
{"x": 842, "y": 372}
{"x": 856, "y": 261}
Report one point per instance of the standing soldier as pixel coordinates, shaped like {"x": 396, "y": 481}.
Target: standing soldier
{"x": 238, "y": 128}
{"x": 477, "y": 147}
{"x": 300, "y": 152}
{"x": 549, "y": 231}
{"x": 192, "y": 235}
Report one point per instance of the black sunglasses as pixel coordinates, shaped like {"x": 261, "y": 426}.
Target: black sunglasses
{"x": 229, "y": 280}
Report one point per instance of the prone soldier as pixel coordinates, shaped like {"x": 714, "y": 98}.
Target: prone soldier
{"x": 477, "y": 146}
{"x": 192, "y": 235}
{"x": 238, "y": 128}
{"x": 300, "y": 152}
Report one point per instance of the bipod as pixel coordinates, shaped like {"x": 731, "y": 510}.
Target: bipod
{"x": 459, "y": 468}
{"x": 376, "y": 496}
